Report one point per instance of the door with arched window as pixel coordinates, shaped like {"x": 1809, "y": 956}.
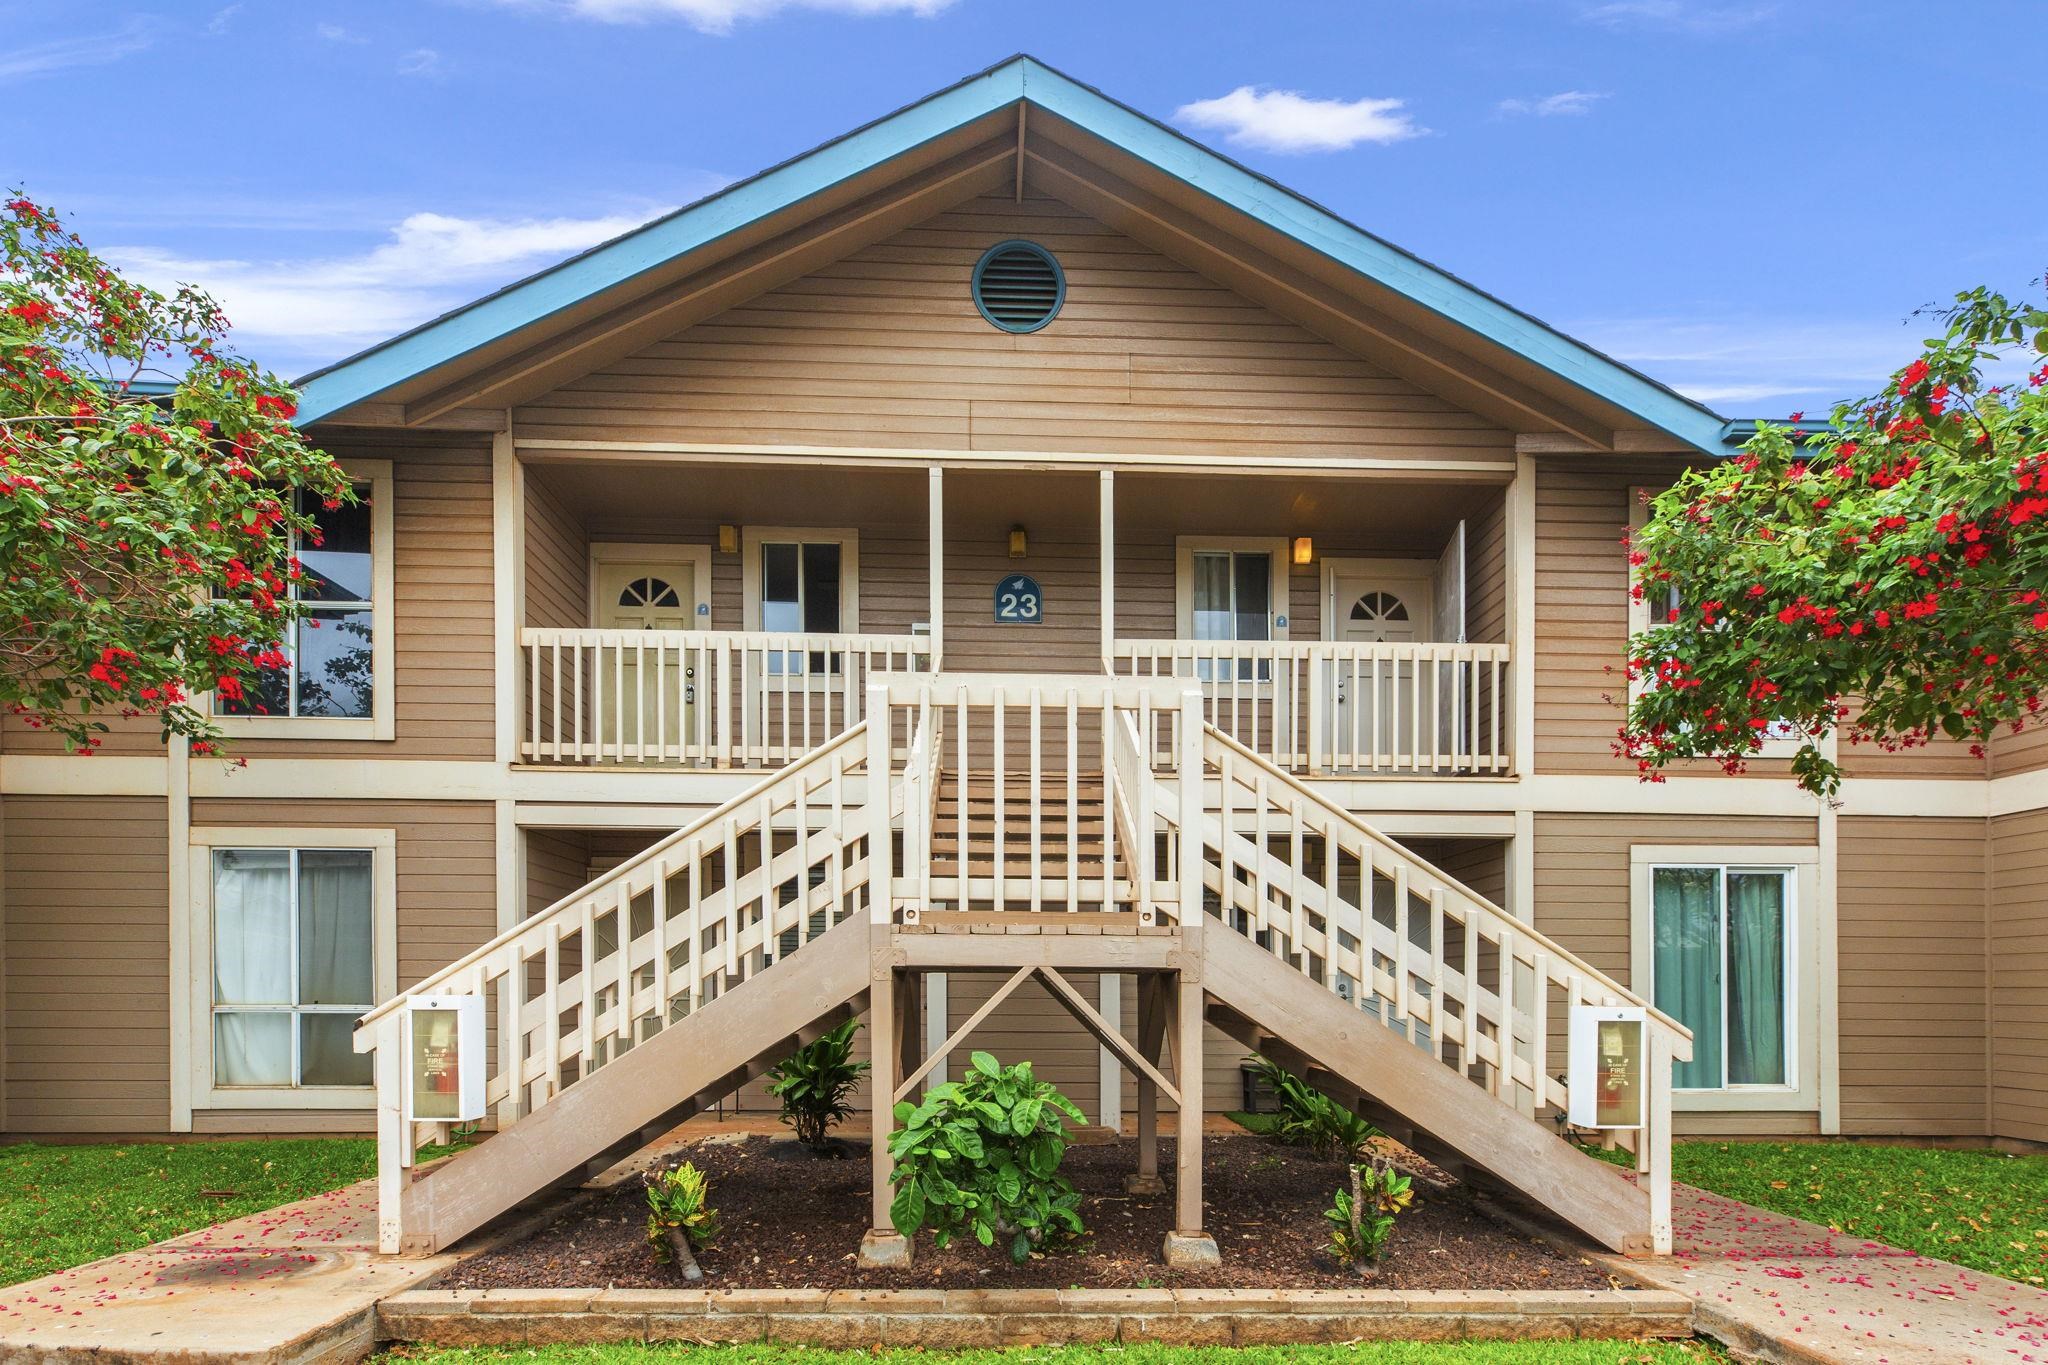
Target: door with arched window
{"x": 645, "y": 589}
{"x": 1385, "y": 601}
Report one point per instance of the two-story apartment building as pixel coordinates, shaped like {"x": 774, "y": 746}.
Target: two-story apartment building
{"x": 1023, "y": 398}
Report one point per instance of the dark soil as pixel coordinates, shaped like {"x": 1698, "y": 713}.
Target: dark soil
{"x": 794, "y": 1223}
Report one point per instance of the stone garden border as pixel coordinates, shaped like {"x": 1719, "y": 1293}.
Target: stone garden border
{"x": 944, "y": 1318}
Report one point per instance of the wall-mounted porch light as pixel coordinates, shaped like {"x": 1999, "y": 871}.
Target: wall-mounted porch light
{"x": 728, "y": 540}
{"x": 1304, "y": 550}
{"x": 1017, "y": 544}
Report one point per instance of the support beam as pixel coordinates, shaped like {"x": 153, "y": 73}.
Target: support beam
{"x": 883, "y": 1245}
{"x": 936, "y": 555}
{"x": 903, "y": 1088}
{"x": 1109, "y": 1084}
{"x": 1088, "y": 1018}
{"x": 1107, "y": 521}
{"x": 936, "y": 1030}
{"x": 1151, "y": 1034}
{"x": 1188, "y": 1244}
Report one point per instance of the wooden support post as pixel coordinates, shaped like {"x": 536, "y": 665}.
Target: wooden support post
{"x": 1187, "y": 1244}
{"x": 936, "y": 553}
{"x": 1151, "y": 1033}
{"x": 882, "y": 1246}
{"x": 1107, "y": 536}
{"x": 909, "y": 1023}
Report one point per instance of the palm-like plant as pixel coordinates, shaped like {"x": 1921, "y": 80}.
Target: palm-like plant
{"x": 814, "y": 1082}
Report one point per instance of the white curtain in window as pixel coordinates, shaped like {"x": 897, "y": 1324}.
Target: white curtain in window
{"x": 252, "y": 1049}
{"x": 335, "y": 958}
{"x": 252, "y": 907}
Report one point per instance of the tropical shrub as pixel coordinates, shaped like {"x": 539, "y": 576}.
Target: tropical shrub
{"x": 1885, "y": 575}
{"x": 679, "y": 1208}
{"x": 1306, "y": 1117}
{"x": 153, "y": 489}
{"x": 1362, "y": 1217}
{"x": 814, "y": 1082}
{"x": 981, "y": 1156}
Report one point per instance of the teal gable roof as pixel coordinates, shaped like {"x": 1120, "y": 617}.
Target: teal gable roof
{"x": 614, "y": 263}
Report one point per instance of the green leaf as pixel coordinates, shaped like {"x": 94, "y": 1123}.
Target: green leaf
{"x": 985, "y": 1064}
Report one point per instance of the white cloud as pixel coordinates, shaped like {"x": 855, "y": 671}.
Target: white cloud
{"x": 40, "y": 59}
{"x": 222, "y": 18}
{"x": 1564, "y": 102}
{"x": 421, "y": 61}
{"x": 720, "y": 16}
{"x": 1678, "y": 14}
{"x": 1289, "y": 121}
{"x": 311, "y": 310}
{"x": 335, "y": 33}
{"x": 1744, "y": 362}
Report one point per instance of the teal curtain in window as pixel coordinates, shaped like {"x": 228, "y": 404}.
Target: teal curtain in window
{"x": 1687, "y": 965}
{"x": 1756, "y": 978}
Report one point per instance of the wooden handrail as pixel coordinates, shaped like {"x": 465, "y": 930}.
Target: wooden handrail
{"x": 1537, "y": 941}
{"x": 623, "y": 872}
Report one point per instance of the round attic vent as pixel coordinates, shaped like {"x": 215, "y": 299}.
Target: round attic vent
{"x": 1018, "y": 286}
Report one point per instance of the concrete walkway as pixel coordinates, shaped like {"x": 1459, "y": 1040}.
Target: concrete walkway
{"x": 1779, "y": 1289}
{"x": 297, "y": 1283}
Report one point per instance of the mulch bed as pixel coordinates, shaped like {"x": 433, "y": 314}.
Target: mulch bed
{"x": 798, "y": 1223}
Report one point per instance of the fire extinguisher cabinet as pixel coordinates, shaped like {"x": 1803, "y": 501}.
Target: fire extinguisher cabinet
{"x": 444, "y": 1059}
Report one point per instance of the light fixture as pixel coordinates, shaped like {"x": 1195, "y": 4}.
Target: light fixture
{"x": 1017, "y": 547}
{"x": 728, "y": 540}
{"x": 1304, "y": 550}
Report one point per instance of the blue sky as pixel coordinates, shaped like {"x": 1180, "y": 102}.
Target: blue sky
{"x": 1745, "y": 198}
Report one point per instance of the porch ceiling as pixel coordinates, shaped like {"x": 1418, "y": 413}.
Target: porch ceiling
{"x": 640, "y": 495}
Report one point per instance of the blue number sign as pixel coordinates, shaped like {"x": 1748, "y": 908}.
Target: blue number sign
{"x": 1019, "y": 601}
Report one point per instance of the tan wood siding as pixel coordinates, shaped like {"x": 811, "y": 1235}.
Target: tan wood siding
{"x": 1910, "y": 957}
{"x": 2019, "y": 753}
{"x": 87, "y": 963}
{"x": 557, "y": 562}
{"x": 885, "y": 348}
{"x": 447, "y": 870}
{"x": 2018, "y": 929}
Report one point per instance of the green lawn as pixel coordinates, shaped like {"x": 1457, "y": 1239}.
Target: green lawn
{"x": 1364, "y": 1353}
{"x": 1985, "y": 1210}
{"x": 63, "y": 1206}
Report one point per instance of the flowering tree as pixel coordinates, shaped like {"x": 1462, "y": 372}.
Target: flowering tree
{"x": 145, "y": 529}
{"x": 1885, "y": 576}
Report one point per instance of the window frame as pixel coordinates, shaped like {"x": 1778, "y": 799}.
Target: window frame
{"x": 1641, "y": 617}
{"x": 195, "y": 983}
{"x": 1185, "y": 548}
{"x": 380, "y": 724}
{"x": 1804, "y": 1003}
{"x": 752, "y": 538}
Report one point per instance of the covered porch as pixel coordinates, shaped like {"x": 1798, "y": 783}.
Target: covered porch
{"x": 727, "y": 614}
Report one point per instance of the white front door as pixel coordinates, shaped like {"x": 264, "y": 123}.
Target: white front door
{"x": 648, "y": 595}
{"x": 1375, "y": 602}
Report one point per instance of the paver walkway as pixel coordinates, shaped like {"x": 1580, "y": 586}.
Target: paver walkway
{"x": 1782, "y": 1289}
{"x": 299, "y": 1282}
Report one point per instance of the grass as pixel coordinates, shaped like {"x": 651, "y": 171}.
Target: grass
{"x": 1985, "y": 1210}
{"x": 63, "y": 1206}
{"x": 1363, "y": 1353}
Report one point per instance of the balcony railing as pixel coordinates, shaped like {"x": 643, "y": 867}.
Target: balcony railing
{"x": 733, "y": 699}
{"x": 697, "y": 699}
{"x": 1329, "y": 708}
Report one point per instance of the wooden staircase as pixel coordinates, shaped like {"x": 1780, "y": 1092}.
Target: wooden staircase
{"x": 1241, "y": 895}
{"x": 662, "y": 986}
{"x": 1020, "y": 845}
